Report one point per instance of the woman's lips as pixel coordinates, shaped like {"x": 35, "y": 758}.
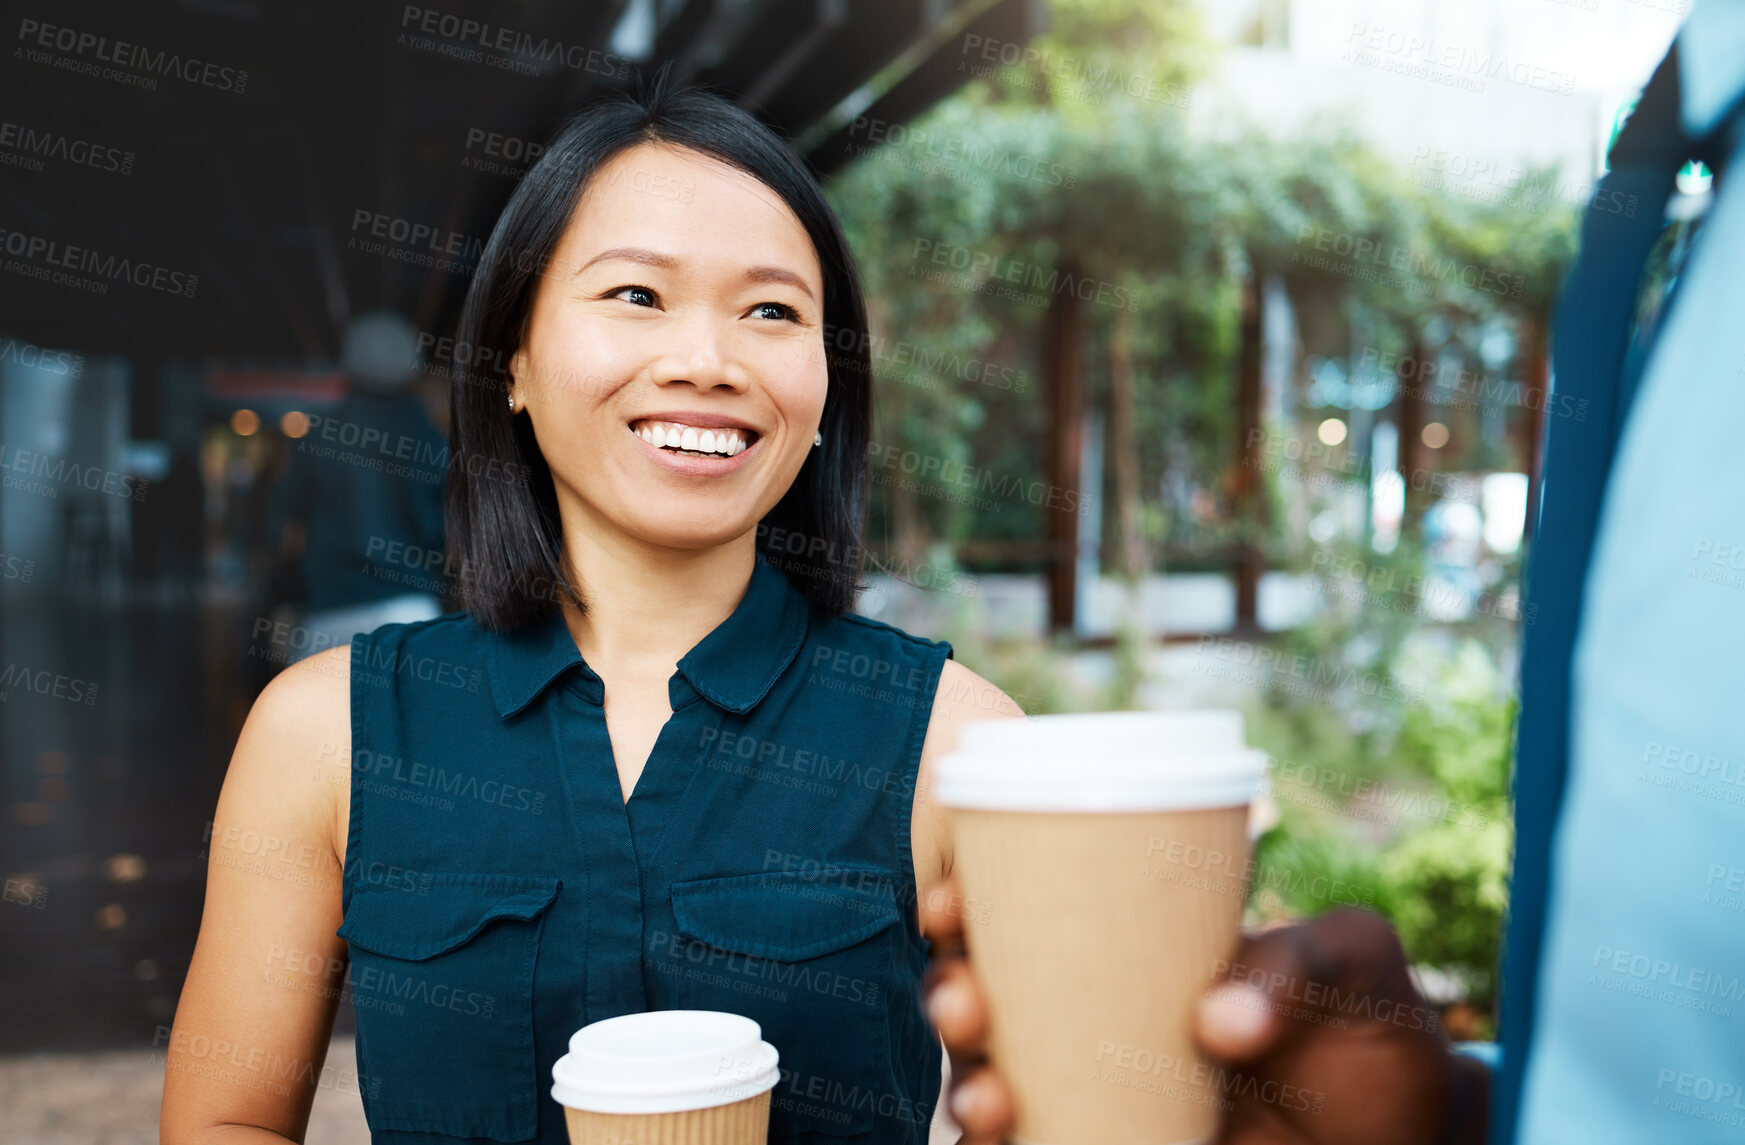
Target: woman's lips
{"x": 708, "y": 437}
{"x": 694, "y": 464}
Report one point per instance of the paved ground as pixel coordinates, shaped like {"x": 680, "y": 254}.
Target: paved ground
{"x": 113, "y": 1098}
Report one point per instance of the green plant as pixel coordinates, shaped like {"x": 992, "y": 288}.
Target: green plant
{"x": 1417, "y": 818}
{"x": 1445, "y": 888}
{"x": 1447, "y": 880}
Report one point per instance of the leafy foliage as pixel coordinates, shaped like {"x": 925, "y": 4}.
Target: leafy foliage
{"x": 972, "y": 221}
{"x": 966, "y": 225}
{"x": 1416, "y": 815}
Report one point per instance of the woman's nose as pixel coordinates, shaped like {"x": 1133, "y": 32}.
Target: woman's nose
{"x": 697, "y": 351}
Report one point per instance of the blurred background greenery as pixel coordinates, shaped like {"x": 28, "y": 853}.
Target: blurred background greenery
{"x": 1396, "y": 793}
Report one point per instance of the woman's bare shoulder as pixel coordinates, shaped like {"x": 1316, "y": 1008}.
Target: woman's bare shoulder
{"x": 308, "y": 705}
{"x": 295, "y": 748}
{"x": 964, "y": 696}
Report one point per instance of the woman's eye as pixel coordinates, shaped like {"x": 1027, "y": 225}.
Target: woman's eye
{"x": 635, "y": 295}
{"x": 775, "y": 311}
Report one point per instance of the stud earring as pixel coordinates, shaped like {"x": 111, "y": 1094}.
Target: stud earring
{"x": 511, "y": 403}
{"x": 818, "y": 439}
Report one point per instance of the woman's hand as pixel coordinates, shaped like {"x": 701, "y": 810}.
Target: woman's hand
{"x": 1324, "y": 1007}
{"x": 979, "y": 1101}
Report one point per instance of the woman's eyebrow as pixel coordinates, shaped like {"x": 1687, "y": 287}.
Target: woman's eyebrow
{"x": 778, "y": 274}
{"x": 630, "y": 254}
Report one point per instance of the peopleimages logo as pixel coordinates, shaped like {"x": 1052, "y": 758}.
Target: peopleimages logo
{"x": 464, "y": 37}
{"x": 1262, "y": 666}
{"x": 1367, "y": 253}
{"x": 37, "y": 250}
{"x": 122, "y": 54}
{"x": 16, "y": 568}
{"x": 987, "y": 268}
{"x": 30, "y": 146}
{"x": 479, "y": 365}
{"x": 969, "y": 153}
{"x": 952, "y": 472}
{"x": 1728, "y": 1093}
{"x": 1457, "y": 65}
{"x": 43, "y": 682}
{"x": 1449, "y": 383}
{"x": 65, "y": 473}
{"x": 911, "y": 363}
{"x": 1094, "y": 78}
{"x": 62, "y": 362}
{"x": 498, "y": 149}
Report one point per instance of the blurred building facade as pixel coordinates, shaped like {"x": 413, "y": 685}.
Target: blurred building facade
{"x": 1460, "y": 93}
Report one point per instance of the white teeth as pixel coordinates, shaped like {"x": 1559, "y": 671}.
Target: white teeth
{"x": 674, "y": 435}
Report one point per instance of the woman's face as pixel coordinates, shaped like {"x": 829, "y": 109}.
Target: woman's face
{"x": 674, "y": 367}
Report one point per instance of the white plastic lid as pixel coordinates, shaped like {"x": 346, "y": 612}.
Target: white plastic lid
{"x": 1103, "y": 761}
{"x": 665, "y": 1061}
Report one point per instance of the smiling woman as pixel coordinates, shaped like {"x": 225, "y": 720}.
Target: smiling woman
{"x": 678, "y": 771}
{"x": 685, "y": 337}
{"x": 603, "y": 274}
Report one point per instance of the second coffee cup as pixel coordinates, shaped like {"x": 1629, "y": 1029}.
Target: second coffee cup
{"x": 1103, "y": 863}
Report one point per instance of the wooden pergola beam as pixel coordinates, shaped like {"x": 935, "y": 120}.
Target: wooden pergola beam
{"x": 1063, "y": 336}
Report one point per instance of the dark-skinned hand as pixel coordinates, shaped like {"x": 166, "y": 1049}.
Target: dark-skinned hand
{"x": 1324, "y": 1007}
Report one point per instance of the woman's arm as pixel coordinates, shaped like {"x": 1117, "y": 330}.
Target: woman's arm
{"x": 962, "y": 697}
{"x": 256, "y": 1013}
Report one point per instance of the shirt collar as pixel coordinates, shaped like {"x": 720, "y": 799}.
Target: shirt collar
{"x": 733, "y": 667}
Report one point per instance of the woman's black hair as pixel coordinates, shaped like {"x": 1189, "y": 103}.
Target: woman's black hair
{"x": 503, "y": 524}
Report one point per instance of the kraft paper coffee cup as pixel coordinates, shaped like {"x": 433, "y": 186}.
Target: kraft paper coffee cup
{"x": 669, "y": 1077}
{"x": 1103, "y": 860}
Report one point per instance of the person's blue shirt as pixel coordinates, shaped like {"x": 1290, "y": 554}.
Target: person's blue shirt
{"x": 1638, "y": 1022}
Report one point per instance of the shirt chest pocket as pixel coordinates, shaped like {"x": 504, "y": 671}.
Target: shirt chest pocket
{"x": 442, "y": 979}
{"x": 812, "y": 963}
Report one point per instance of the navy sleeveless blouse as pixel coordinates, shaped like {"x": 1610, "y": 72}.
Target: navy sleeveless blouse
{"x": 500, "y": 893}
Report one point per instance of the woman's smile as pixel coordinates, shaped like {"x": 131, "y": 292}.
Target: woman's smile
{"x": 695, "y": 445}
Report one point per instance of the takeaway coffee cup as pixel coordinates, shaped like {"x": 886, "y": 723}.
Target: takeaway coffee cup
{"x": 669, "y": 1077}
{"x": 1103, "y": 860}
